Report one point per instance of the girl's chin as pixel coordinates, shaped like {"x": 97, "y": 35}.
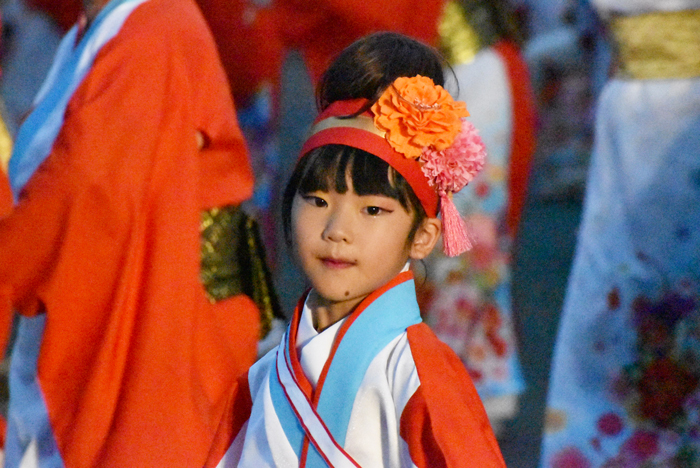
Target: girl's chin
{"x": 334, "y": 298}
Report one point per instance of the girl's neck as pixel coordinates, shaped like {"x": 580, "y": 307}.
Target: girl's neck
{"x": 326, "y": 314}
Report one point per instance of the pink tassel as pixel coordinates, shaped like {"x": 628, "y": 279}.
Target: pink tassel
{"x": 455, "y": 238}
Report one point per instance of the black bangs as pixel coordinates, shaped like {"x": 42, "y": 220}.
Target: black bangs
{"x": 325, "y": 169}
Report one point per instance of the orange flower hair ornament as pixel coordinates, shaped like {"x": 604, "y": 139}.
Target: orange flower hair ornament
{"x": 418, "y": 129}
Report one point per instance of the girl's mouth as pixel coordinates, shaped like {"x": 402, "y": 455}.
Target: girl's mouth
{"x": 336, "y": 263}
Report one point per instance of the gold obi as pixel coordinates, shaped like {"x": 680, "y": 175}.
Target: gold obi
{"x": 467, "y": 26}
{"x": 659, "y": 45}
{"x": 233, "y": 261}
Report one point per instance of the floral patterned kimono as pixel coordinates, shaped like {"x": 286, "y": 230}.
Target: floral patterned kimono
{"x": 467, "y": 298}
{"x": 624, "y": 386}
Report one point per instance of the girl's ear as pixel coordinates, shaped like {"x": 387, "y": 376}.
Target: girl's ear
{"x": 425, "y": 239}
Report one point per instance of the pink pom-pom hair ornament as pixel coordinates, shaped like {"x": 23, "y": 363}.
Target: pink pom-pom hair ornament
{"x": 449, "y": 171}
{"x": 433, "y": 174}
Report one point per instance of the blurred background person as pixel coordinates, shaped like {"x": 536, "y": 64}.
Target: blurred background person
{"x": 127, "y": 349}
{"x": 467, "y": 298}
{"x": 562, "y": 52}
{"x": 624, "y": 385}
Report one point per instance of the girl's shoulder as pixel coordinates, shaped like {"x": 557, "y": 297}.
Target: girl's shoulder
{"x": 433, "y": 358}
{"x": 418, "y": 359}
{"x": 418, "y": 356}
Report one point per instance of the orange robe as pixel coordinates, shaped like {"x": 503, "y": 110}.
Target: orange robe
{"x": 135, "y": 364}
{"x": 248, "y": 45}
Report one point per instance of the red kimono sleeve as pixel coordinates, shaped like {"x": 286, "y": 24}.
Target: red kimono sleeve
{"x": 444, "y": 423}
{"x": 237, "y": 413}
{"x": 524, "y": 133}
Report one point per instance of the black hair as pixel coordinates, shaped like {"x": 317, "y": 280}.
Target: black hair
{"x": 363, "y": 70}
{"x": 330, "y": 166}
{"x": 369, "y": 65}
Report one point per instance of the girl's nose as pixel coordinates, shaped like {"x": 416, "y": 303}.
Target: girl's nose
{"x": 338, "y": 228}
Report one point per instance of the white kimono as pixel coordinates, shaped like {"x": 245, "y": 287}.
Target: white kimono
{"x": 375, "y": 390}
{"x": 624, "y": 386}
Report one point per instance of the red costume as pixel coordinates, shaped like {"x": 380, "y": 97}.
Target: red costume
{"x": 135, "y": 364}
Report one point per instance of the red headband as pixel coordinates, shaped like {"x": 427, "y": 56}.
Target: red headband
{"x": 361, "y": 133}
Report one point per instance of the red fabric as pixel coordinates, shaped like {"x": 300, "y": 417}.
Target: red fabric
{"x": 323, "y": 28}
{"x": 136, "y": 365}
{"x": 524, "y": 133}
{"x": 236, "y": 414}
{"x": 248, "y": 44}
{"x": 3, "y": 431}
{"x": 445, "y": 423}
{"x": 5, "y": 195}
{"x": 417, "y": 432}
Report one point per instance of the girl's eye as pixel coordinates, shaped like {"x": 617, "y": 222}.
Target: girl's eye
{"x": 374, "y": 210}
{"x": 313, "y": 200}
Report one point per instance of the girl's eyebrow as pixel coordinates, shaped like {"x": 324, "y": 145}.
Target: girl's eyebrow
{"x": 374, "y": 195}
{"x": 311, "y": 192}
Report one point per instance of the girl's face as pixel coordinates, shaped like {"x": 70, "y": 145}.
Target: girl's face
{"x": 350, "y": 245}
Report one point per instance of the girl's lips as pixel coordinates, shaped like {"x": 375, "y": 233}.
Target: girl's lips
{"x": 336, "y": 263}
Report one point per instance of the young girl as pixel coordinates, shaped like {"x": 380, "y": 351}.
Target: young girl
{"x": 358, "y": 379}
